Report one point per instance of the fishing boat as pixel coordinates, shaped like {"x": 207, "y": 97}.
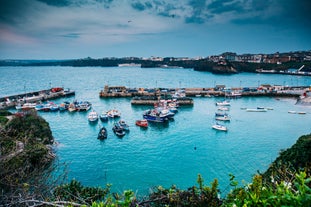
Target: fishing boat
{"x": 223, "y": 109}
{"x": 113, "y": 113}
{"x": 28, "y": 106}
{"x": 219, "y": 127}
{"x": 103, "y": 116}
{"x": 53, "y": 107}
{"x": 83, "y": 106}
{"x": 124, "y": 125}
{"x": 223, "y": 103}
{"x": 72, "y": 107}
{"x": 257, "y": 110}
{"x": 142, "y": 123}
{"x": 222, "y": 117}
{"x": 92, "y": 116}
{"x": 64, "y": 106}
{"x": 154, "y": 116}
{"x": 118, "y": 130}
{"x": 102, "y": 134}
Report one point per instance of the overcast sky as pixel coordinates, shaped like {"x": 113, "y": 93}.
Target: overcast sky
{"x": 63, "y": 29}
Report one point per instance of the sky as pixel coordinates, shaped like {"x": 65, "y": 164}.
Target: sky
{"x": 70, "y": 29}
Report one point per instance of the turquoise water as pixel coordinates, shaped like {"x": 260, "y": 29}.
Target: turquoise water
{"x": 168, "y": 154}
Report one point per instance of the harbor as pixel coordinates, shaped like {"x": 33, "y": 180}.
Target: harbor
{"x": 150, "y": 96}
{"x": 161, "y": 150}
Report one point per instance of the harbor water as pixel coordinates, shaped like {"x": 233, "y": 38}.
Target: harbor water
{"x": 171, "y": 153}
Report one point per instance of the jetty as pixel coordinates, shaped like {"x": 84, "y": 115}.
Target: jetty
{"x": 35, "y": 96}
{"x": 218, "y": 90}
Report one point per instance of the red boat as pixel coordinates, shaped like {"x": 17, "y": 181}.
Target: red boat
{"x": 142, "y": 123}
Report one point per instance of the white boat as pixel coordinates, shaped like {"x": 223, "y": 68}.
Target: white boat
{"x": 28, "y": 106}
{"x": 219, "y": 127}
{"x": 113, "y": 113}
{"x": 223, "y": 109}
{"x": 256, "y": 110}
{"x": 223, "y": 103}
{"x": 93, "y": 116}
{"x": 223, "y": 118}
{"x": 292, "y": 112}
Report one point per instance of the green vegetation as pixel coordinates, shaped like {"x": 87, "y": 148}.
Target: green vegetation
{"x": 27, "y": 179}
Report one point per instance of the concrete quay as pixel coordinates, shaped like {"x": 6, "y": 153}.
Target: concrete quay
{"x": 33, "y": 97}
{"x": 219, "y": 90}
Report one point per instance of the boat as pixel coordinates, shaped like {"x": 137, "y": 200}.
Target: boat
{"x": 301, "y": 112}
{"x": 64, "y": 106}
{"x": 142, "y": 123}
{"x": 223, "y": 103}
{"x": 292, "y": 112}
{"x": 72, "y": 107}
{"x": 102, "y": 134}
{"x": 113, "y": 113}
{"x": 103, "y": 116}
{"x": 93, "y": 116}
{"x": 83, "y": 106}
{"x": 28, "y": 106}
{"x": 223, "y": 109}
{"x": 256, "y": 110}
{"x": 118, "y": 130}
{"x": 18, "y": 106}
{"x": 154, "y": 116}
{"x": 219, "y": 127}
{"x": 124, "y": 125}
{"x": 223, "y": 118}
{"x": 53, "y": 106}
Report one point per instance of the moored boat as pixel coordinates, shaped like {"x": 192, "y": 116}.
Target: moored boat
{"x": 220, "y": 127}
{"x": 83, "y": 106}
{"x": 256, "y": 110}
{"x": 103, "y": 116}
{"x": 28, "y": 106}
{"x": 102, "y": 134}
{"x": 223, "y": 103}
{"x": 142, "y": 123}
{"x": 92, "y": 116}
{"x": 113, "y": 113}
{"x": 154, "y": 116}
{"x": 124, "y": 125}
{"x": 118, "y": 130}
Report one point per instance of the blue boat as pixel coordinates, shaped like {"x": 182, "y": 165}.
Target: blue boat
{"x": 154, "y": 116}
{"x": 118, "y": 130}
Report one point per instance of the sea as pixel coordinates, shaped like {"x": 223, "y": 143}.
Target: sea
{"x": 164, "y": 154}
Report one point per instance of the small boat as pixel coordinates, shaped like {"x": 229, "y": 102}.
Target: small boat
{"x": 28, "y": 106}
{"x": 124, "y": 125}
{"x": 113, "y": 113}
{"x": 18, "y": 106}
{"x": 118, "y": 130}
{"x": 301, "y": 112}
{"x": 102, "y": 134}
{"x": 53, "y": 106}
{"x": 223, "y": 103}
{"x": 103, "y": 116}
{"x": 219, "y": 127}
{"x": 292, "y": 112}
{"x": 72, "y": 107}
{"x": 83, "y": 106}
{"x": 223, "y": 118}
{"x": 64, "y": 106}
{"x": 256, "y": 110}
{"x": 142, "y": 123}
{"x": 223, "y": 109}
{"x": 93, "y": 116}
